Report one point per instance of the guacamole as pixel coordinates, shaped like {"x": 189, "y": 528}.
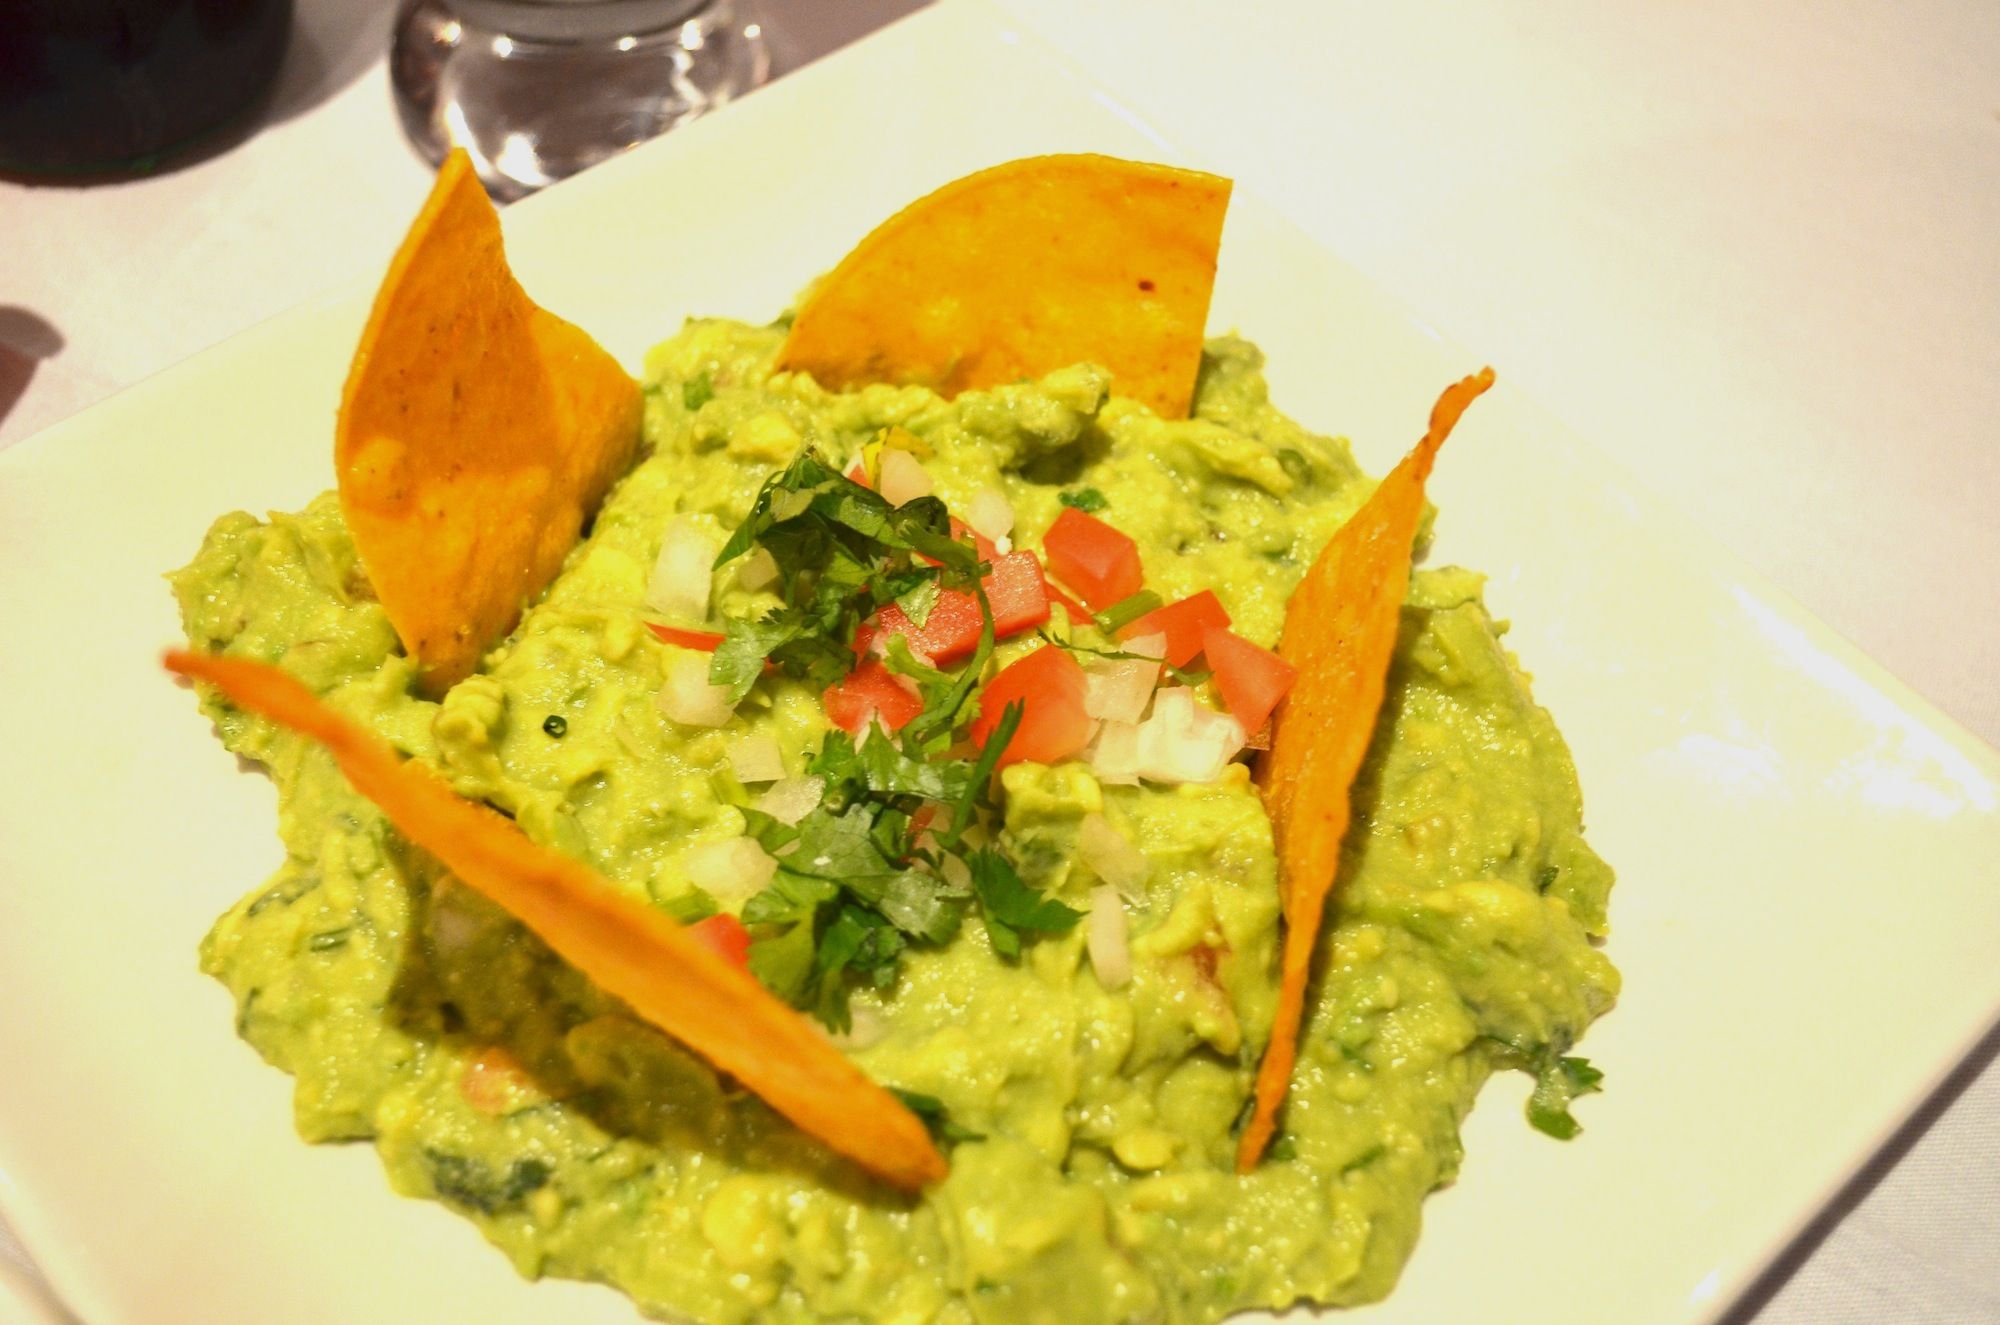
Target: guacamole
{"x": 1092, "y": 1128}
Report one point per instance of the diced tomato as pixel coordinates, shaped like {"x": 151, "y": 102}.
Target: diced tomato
{"x": 1098, "y": 562}
{"x": 987, "y": 549}
{"x": 494, "y": 1081}
{"x": 705, "y": 640}
{"x": 1017, "y": 593}
{"x": 858, "y": 473}
{"x": 1050, "y": 686}
{"x": 1252, "y": 679}
{"x": 1183, "y": 623}
{"x": 870, "y": 690}
{"x": 725, "y": 936}
{"x": 1014, "y": 589}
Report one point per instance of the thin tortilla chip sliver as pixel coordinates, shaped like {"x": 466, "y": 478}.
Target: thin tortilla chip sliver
{"x": 1340, "y": 629}
{"x": 627, "y": 948}
{"x": 1021, "y": 269}
{"x": 477, "y": 433}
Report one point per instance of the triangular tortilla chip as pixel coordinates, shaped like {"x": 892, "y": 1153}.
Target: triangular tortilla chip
{"x": 627, "y": 948}
{"x": 1022, "y": 269}
{"x": 1340, "y": 629}
{"x": 477, "y": 433}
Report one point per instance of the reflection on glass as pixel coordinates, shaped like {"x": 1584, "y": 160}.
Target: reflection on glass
{"x": 535, "y": 90}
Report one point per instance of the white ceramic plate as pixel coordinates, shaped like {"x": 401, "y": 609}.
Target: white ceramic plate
{"x": 1810, "y": 856}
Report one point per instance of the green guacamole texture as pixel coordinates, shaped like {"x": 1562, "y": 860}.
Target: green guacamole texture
{"x": 1100, "y": 1188}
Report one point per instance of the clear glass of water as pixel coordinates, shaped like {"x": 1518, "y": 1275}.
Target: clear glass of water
{"x": 535, "y": 90}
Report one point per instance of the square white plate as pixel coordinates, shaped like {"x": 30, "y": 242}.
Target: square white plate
{"x": 1810, "y": 857}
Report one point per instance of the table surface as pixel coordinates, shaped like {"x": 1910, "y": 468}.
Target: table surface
{"x": 1748, "y": 250}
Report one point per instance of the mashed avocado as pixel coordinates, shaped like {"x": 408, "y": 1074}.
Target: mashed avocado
{"x": 1092, "y": 1179}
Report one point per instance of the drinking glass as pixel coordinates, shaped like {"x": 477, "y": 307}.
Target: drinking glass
{"x": 535, "y": 90}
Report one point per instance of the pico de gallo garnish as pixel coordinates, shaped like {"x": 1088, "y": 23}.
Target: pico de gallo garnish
{"x": 892, "y": 606}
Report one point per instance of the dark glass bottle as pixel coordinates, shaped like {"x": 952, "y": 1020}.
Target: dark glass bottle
{"x": 113, "y": 85}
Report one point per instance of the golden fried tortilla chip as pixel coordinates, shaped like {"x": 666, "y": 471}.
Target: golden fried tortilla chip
{"x": 627, "y": 948}
{"x": 477, "y": 433}
{"x": 1022, "y": 269}
{"x": 1340, "y": 628}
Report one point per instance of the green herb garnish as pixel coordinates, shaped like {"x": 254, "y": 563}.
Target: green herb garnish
{"x": 842, "y": 554}
{"x": 1558, "y": 1081}
{"x": 1088, "y": 500}
{"x": 697, "y": 391}
{"x": 930, "y": 1109}
{"x": 1011, "y": 907}
{"x": 868, "y": 873}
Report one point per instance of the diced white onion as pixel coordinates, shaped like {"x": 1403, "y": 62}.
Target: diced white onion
{"x": 866, "y": 1027}
{"x": 756, "y": 759}
{"x": 792, "y": 799}
{"x": 729, "y": 870}
{"x": 956, "y": 873}
{"x": 452, "y": 927}
{"x": 1146, "y": 646}
{"x": 1115, "y": 757}
{"x": 1184, "y": 741}
{"x": 1110, "y": 955}
{"x": 901, "y": 479}
{"x": 991, "y": 513}
{"x": 688, "y": 698}
{"x": 680, "y": 582}
{"x": 758, "y": 570}
{"x": 1118, "y": 689}
{"x": 1110, "y": 857}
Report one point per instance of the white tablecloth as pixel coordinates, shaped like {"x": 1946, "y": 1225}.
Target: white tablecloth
{"x": 1754, "y": 251}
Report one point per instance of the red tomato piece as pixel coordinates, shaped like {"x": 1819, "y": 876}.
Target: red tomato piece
{"x": 1014, "y": 589}
{"x": 1098, "y": 562}
{"x": 1049, "y": 684}
{"x": 858, "y": 473}
{"x": 1183, "y": 623}
{"x": 725, "y": 936}
{"x": 870, "y": 690}
{"x": 1017, "y": 593}
{"x": 1252, "y": 679}
{"x": 985, "y": 546}
{"x": 705, "y": 640}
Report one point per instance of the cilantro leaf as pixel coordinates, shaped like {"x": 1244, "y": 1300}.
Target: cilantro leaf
{"x": 1011, "y": 907}
{"x": 918, "y": 601}
{"x": 697, "y": 391}
{"x": 930, "y": 1109}
{"x": 691, "y": 906}
{"x": 1558, "y": 1081}
{"x": 1088, "y": 500}
{"x": 966, "y": 804}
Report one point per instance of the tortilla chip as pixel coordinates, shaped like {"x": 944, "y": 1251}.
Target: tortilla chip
{"x": 629, "y": 949}
{"x": 477, "y": 433}
{"x": 1340, "y": 628}
{"x": 1025, "y": 268}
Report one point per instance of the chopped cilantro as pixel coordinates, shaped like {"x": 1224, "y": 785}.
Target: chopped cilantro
{"x": 868, "y": 873}
{"x": 1558, "y": 1081}
{"x": 930, "y": 1109}
{"x": 842, "y": 553}
{"x": 697, "y": 391}
{"x": 693, "y": 905}
{"x": 1088, "y": 500}
{"x": 1011, "y": 907}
